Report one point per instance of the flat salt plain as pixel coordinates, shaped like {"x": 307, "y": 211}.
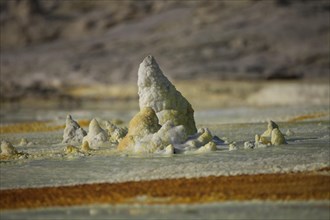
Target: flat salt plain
{"x": 227, "y": 210}
{"x": 307, "y": 149}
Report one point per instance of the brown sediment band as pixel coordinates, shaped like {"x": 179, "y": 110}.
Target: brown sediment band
{"x": 292, "y": 186}
{"x": 308, "y": 116}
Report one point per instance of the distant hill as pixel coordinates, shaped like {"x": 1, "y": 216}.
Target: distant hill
{"x": 59, "y": 43}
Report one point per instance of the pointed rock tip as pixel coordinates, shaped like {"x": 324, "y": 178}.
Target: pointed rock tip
{"x": 93, "y": 122}
{"x": 69, "y": 117}
{"x": 272, "y": 124}
{"x": 149, "y": 60}
{"x": 94, "y": 125}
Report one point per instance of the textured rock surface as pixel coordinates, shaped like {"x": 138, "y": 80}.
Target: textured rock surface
{"x": 96, "y": 135}
{"x": 85, "y": 147}
{"x": 145, "y": 135}
{"x": 271, "y": 125}
{"x": 210, "y": 146}
{"x": 165, "y": 123}
{"x": 73, "y": 133}
{"x": 142, "y": 124}
{"x": 202, "y": 137}
{"x": 115, "y": 133}
{"x": 7, "y": 149}
{"x": 277, "y": 137}
{"x": 157, "y": 92}
{"x": 250, "y": 144}
{"x": 167, "y": 135}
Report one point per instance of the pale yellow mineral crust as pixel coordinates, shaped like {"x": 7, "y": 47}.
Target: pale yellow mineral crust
{"x": 277, "y": 138}
{"x": 271, "y": 125}
{"x": 143, "y": 123}
{"x": 85, "y": 147}
{"x": 70, "y": 149}
{"x": 272, "y": 136}
{"x": 210, "y": 146}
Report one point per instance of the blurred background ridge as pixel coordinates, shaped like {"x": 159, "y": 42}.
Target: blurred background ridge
{"x": 48, "y": 45}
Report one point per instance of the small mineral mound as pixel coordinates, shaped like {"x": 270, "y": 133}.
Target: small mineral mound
{"x": 272, "y": 136}
{"x": 96, "y": 135}
{"x": 7, "y": 149}
{"x": 142, "y": 124}
{"x": 277, "y": 138}
{"x": 271, "y": 125}
{"x": 115, "y": 133}
{"x": 85, "y": 147}
{"x": 24, "y": 142}
{"x": 73, "y": 133}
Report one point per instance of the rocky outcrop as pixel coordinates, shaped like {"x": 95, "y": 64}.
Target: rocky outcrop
{"x": 271, "y": 125}
{"x": 73, "y": 133}
{"x": 96, "y": 135}
{"x": 277, "y": 138}
{"x": 272, "y": 136}
{"x": 142, "y": 124}
{"x": 157, "y": 92}
{"x": 145, "y": 135}
{"x": 165, "y": 123}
